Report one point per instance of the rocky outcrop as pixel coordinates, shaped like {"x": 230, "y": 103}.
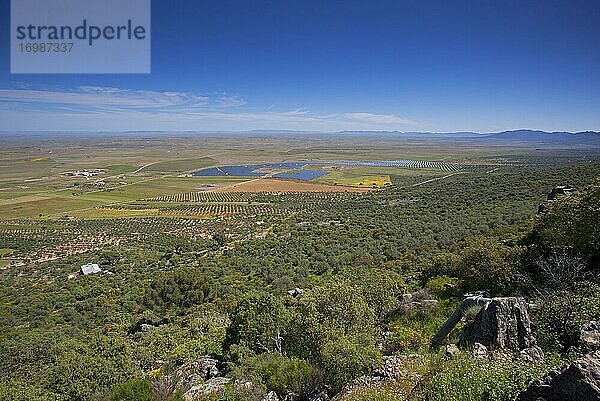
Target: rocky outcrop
{"x": 471, "y": 300}
{"x": 319, "y": 395}
{"x": 589, "y": 336}
{"x": 271, "y": 396}
{"x": 394, "y": 368}
{"x": 579, "y": 381}
{"x": 503, "y": 323}
{"x": 562, "y": 190}
{"x": 214, "y": 385}
{"x": 196, "y": 372}
{"x": 420, "y": 299}
{"x": 499, "y": 330}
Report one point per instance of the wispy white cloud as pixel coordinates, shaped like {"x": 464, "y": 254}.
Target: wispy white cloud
{"x": 102, "y": 108}
{"x": 116, "y": 99}
{"x": 379, "y": 118}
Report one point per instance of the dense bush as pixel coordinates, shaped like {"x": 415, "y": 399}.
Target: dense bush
{"x": 259, "y": 321}
{"x": 344, "y": 359}
{"x": 180, "y": 289}
{"x": 133, "y": 390}
{"x": 279, "y": 373}
{"x": 573, "y": 223}
{"x": 560, "y": 314}
{"x": 19, "y": 391}
{"x": 480, "y": 263}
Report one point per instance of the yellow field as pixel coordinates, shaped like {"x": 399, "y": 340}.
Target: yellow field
{"x": 379, "y": 182}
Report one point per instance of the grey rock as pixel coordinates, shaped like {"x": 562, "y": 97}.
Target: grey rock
{"x": 319, "y": 395}
{"x": 214, "y": 385}
{"x": 430, "y": 303}
{"x": 271, "y": 396}
{"x": 451, "y": 351}
{"x": 196, "y": 372}
{"x": 562, "y": 190}
{"x": 295, "y": 292}
{"x": 146, "y": 327}
{"x": 291, "y": 397}
{"x": 579, "y": 381}
{"x": 480, "y": 351}
{"x": 590, "y": 335}
{"x": 394, "y": 368}
{"x": 532, "y": 354}
{"x": 503, "y": 323}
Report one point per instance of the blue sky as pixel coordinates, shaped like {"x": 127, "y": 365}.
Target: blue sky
{"x": 334, "y": 65}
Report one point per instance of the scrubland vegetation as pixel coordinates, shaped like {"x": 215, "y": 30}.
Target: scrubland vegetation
{"x": 209, "y": 274}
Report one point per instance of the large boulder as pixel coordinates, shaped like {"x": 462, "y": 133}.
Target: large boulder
{"x": 579, "y": 381}
{"x": 501, "y": 324}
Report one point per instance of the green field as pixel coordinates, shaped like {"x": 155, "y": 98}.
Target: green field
{"x": 366, "y": 175}
{"x": 182, "y": 165}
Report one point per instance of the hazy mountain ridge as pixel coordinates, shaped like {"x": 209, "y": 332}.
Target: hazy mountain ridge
{"x": 522, "y": 135}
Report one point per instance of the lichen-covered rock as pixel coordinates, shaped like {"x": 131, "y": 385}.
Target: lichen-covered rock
{"x": 394, "y": 367}
{"x": 196, "y": 372}
{"x": 271, "y": 396}
{"x": 291, "y": 397}
{"x": 503, "y": 323}
{"x": 579, "y": 381}
{"x": 532, "y": 354}
{"x": 590, "y": 335}
{"x": 214, "y": 385}
{"x": 480, "y": 351}
{"x": 319, "y": 395}
{"x": 451, "y": 351}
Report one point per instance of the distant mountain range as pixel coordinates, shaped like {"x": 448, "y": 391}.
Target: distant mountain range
{"x": 587, "y": 138}
{"x": 571, "y": 138}
{"x": 523, "y": 136}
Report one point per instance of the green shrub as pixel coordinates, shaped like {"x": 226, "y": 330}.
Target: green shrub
{"x": 480, "y": 263}
{"x": 260, "y": 320}
{"x": 83, "y": 370}
{"x": 133, "y": 390}
{"x": 574, "y": 223}
{"x": 561, "y": 314}
{"x": 19, "y": 391}
{"x": 343, "y": 360}
{"x": 331, "y": 311}
{"x": 442, "y": 287}
{"x": 280, "y": 374}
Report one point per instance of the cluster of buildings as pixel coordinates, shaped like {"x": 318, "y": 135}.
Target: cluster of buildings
{"x": 84, "y": 173}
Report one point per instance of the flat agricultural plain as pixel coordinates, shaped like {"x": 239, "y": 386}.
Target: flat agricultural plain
{"x": 62, "y": 195}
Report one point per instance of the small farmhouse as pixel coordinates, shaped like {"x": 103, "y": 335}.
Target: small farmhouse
{"x": 89, "y": 268}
